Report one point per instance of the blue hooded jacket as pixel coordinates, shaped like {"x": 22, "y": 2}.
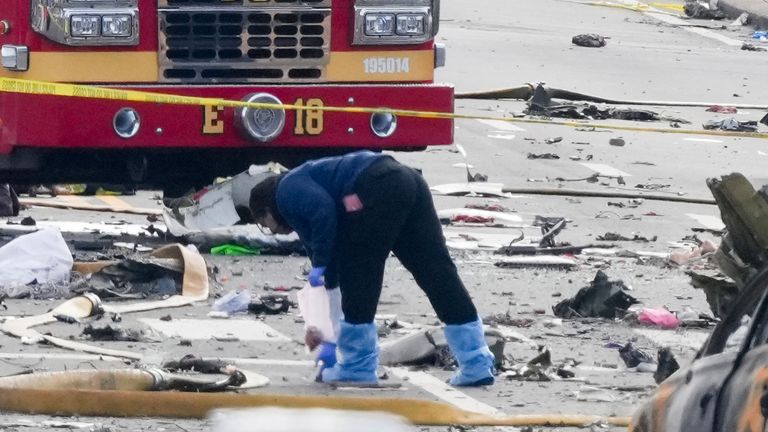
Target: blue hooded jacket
{"x": 310, "y": 196}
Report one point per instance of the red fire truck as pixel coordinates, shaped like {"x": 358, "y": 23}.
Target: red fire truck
{"x": 311, "y": 53}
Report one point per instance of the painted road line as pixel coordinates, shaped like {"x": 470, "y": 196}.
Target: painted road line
{"x": 501, "y": 136}
{"x": 606, "y": 170}
{"x": 501, "y": 125}
{"x": 114, "y": 202}
{"x": 74, "y": 200}
{"x": 706, "y": 140}
{"x": 708, "y": 221}
{"x": 443, "y": 391}
{"x": 665, "y": 338}
{"x": 201, "y": 329}
{"x": 675, "y": 21}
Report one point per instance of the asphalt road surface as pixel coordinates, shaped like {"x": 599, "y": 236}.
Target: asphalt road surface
{"x": 497, "y": 44}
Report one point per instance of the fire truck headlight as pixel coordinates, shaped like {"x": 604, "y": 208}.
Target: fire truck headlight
{"x": 395, "y": 22}
{"x": 262, "y": 124}
{"x": 377, "y": 24}
{"x": 410, "y": 24}
{"x": 116, "y": 25}
{"x": 85, "y": 25}
{"x": 126, "y": 123}
{"x": 383, "y": 125}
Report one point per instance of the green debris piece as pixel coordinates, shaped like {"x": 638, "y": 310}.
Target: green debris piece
{"x": 234, "y": 250}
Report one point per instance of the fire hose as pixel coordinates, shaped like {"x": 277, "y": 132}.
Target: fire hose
{"x": 133, "y": 393}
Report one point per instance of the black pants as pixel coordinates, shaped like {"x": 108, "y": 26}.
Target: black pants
{"x": 398, "y": 215}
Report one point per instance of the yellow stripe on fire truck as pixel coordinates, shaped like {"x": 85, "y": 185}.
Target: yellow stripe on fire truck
{"x": 11, "y": 85}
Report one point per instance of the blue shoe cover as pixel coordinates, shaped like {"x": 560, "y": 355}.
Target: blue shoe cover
{"x": 467, "y": 343}
{"x": 359, "y": 349}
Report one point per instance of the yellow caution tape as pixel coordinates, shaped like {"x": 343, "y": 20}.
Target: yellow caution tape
{"x": 639, "y": 7}
{"x": 671, "y": 6}
{"x": 11, "y": 85}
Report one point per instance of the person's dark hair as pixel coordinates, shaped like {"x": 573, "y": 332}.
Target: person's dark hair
{"x": 263, "y": 199}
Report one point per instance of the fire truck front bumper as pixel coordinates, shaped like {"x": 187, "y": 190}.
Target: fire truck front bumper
{"x": 78, "y": 123}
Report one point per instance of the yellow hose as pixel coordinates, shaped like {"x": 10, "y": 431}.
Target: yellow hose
{"x": 198, "y": 405}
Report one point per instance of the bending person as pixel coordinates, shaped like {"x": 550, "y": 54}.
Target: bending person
{"x": 350, "y": 211}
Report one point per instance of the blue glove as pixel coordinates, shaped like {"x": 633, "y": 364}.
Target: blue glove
{"x": 326, "y": 354}
{"x": 316, "y": 278}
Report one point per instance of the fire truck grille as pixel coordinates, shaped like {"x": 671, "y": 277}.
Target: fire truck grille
{"x": 220, "y": 45}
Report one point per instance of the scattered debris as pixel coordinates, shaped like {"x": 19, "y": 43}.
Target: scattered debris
{"x": 193, "y": 363}
{"x": 652, "y": 186}
{"x": 722, "y": 109}
{"x": 577, "y": 158}
{"x": 632, "y": 203}
{"x": 230, "y": 249}
{"x": 602, "y": 298}
{"x": 9, "y": 201}
{"x": 633, "y": 356}
{"x": 39, "y": 257}
{"x": 667, "y": 365}
{"x": 468, "y": 215}
{"x": 683, "y": 256}
{"x": 472, "y": 219}
{"x": 66, "y": 319}
{"x": 489, "y": 207}
{"x": 658, "y": 318}
{"x": 117, "y": 334}
{"x": 618, "y": 142}
{"x": 28, "y": 221}
{"x": 618, "y": 237}
{"x": 137, "y": 277}
{"x": 720, "y": 291}
{"x": 701, "y": 10}
{"x": 540, "y": 368}
{"x": 233, "y": 302}
{"x": 550, "y": 227}
{"x": 506, "y": 319}
{"x": 543, "y": 156}
{"x": 429, "y": 347}
{"x": 272, "y": 304}
{"x": 731, "y": 124}
{"x": 589, "y": 40}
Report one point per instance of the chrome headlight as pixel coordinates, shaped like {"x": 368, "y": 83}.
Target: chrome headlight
{"x": 395, "y": 22}
{"x": 116, "y": 25}
{"x": 411, "y": 24}
{"x": 378, "y": 24}
{"x": 85, "y": 25}
{"x": 82, "y": 22}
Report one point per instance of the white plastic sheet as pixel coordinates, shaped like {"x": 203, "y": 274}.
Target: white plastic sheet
{"x": 321, "y": 308}
{"x": 42, "y": 256}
